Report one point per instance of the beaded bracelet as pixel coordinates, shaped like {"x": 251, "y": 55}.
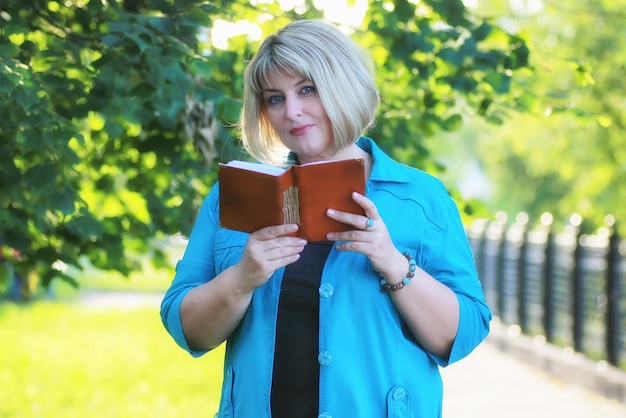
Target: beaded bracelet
{"x": 384, "y": 286}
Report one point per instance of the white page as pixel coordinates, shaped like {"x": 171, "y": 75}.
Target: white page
{"x": 327, "y": 161}
{"x": 261, "y": 168}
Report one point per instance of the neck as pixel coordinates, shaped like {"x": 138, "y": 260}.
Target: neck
{"x": 352, "y": 151}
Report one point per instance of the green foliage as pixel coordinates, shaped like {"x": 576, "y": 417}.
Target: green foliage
{"x": 567, "y": 153}
{"x": 115, "y": 113}
{"x": 437, "y": 65}
{"x": 67, "y": 360}
{"x": 106, "y": 109}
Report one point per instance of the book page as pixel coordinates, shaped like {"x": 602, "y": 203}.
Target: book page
{"x": 260, "y": 168}
{"x": 326, "y": 162}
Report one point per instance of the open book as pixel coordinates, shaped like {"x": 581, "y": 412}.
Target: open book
{"x": 253, "y": 196}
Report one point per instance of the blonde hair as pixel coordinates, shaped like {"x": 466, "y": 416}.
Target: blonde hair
{"x": 342, "y": 72}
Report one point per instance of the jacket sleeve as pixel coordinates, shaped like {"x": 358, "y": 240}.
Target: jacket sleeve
{"x": 196, "y": 267}
{"x": 450, "y": 260}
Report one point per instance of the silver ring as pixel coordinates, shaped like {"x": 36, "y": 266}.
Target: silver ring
{"x": 369, "y": 224}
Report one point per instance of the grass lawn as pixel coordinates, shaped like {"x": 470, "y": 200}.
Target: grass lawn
{"x": 147, "y": 279}
{"x": 65, "y": 359}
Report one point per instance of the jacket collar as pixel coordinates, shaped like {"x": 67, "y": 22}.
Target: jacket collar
{"x": 384, "y": 168}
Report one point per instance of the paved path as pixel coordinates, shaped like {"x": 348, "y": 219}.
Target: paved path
{"x": 488, "y": 384}
{"x": 104, "y": 299}
{"x": 492, "y": 384}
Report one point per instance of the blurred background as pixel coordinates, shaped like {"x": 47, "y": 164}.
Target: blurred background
{"x": 115, "y": 114}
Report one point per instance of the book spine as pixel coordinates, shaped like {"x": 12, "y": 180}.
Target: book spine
{"x": 291, "y": 206}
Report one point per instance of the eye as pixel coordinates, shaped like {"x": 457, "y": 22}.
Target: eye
{"x": 274, "y": 100}
{"x": 308, "y": 90}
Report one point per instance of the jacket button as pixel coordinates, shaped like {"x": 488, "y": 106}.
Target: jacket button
{"x": 399, "y": 394}
{"x": 326, "y": 290}
{"x": 325, "y": 358}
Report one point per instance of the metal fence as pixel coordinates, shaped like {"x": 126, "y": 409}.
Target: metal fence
{"x": 567, "y": 286}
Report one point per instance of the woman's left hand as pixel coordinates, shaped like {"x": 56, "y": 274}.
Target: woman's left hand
{"x": 369, "y": 237}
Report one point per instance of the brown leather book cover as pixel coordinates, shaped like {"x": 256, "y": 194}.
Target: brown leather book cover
{"x": 252, "y": 199}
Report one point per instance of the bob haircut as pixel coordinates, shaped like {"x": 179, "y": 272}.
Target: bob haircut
{"x": 343, "y": 74}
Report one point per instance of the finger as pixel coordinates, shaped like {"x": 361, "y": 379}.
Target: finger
{"x": 277, "y": 257}
{"x": 352, "y": 219}
{"x": 282, "y": 252}
{"x": 275, "y": 231}
{"x": 350, "y": 236}
{"x": 359, "y": 222}
{"x": 271, "y": 249}
{"x": 354, "y": 246}
{"x": 368, "y": 206}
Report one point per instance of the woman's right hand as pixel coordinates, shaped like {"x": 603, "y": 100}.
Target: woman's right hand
{"x": 267, "y": 250}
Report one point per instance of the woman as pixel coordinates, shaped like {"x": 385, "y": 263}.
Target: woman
{"x": 354, "y": 326}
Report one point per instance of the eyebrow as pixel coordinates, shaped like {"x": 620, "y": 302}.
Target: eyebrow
{"x": 304, "y": 80}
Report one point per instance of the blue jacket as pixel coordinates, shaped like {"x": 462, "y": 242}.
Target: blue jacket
{"x": 370, "y": 364}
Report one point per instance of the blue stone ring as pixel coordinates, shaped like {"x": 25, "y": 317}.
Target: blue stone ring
{"x": 369, "y": 224}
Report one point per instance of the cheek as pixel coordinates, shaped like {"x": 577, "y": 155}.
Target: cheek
{"x": 274, "y": 120}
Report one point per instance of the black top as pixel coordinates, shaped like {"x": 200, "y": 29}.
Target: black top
{"x": 295, "y": 384}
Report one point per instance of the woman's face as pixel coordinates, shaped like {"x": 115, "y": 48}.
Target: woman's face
{"x": 296, "y": 113}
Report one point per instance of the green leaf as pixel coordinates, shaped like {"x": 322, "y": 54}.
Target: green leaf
{"x": 499, "y": 81}
{"x": 229, "y": 110}
{"x": 111, "y": 40}
{"x": 452, "y": 10}
{"x": 487, "y": 60}
{"x": 453, "y": 123}
{"x": 451, "y": 56}
{"x": 64, "y": 201}
{"x": 85, "y": 226}
{"x": 41, "y": 176}
{"x": 9, "y": 78}
{"x": 201, "y": 17}
{"x": 143, "y": 45}
{"x": 520, "y": 54}
{"x": 10, "y": 173}
{"x": 482, "y": 32}
{"x": 496, "y": 120}
{"x": 201, "y": 66}
{"x": 113, "y": 129}
{"x": 17, "y": 236}
{"x": 7, "y": 84}
{"x": 26, "y": 98}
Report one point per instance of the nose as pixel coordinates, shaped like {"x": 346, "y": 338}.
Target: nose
{"x": 293, "y": 108}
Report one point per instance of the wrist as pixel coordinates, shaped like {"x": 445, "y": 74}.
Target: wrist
{"x": 243, "y": 282}
{"x": 395, "y": 269}
{"x": 399, "y": 280}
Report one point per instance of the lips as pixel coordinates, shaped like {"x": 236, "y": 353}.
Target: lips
{"x": 300, "y": 130}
